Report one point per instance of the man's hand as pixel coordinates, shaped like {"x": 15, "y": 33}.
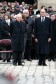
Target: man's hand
{"x": 36, "y": 40}
{"x": 32, "y": 36}
{"x": 9, "y": 34}
{"x": 49, "y": 40}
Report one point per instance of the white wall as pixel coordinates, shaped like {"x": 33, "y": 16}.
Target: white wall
{"x": 47, "y": 3}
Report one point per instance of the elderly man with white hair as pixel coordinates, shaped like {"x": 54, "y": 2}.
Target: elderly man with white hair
{"x": 17, "y": 29}
{"x": 43, "y": 33}
{"x": 30, "y": 26}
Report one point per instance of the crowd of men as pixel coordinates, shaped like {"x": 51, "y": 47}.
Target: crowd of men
{"x": 32, "y": 32}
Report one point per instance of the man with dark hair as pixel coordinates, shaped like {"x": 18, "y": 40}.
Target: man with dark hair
{"x": 50, "y": 10}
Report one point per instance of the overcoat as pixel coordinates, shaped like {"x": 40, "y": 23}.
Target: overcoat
{"x": 4, "y": 33}
{"x": 17, "y": 30}
{"x": 4, "y": 30}
{"x": 53, "y": 42}
{"x": 43, "y": 31}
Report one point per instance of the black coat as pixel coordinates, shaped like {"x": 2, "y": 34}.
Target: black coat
{"x": 30, "y": 27}
{"x": 4, "y": 33}
{"x": 17, "y": 33}
{"x": 43, "y": 31}
{"x": 1, "y": 29}
{"x": 53, "y": 42}
{"x": 4, "y": 30}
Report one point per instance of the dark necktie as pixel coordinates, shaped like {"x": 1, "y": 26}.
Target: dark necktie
{"x": 43, "y": 19}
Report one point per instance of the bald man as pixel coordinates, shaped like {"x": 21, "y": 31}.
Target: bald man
{"x": 43, "y": 30}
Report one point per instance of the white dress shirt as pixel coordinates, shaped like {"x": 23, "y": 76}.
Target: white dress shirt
{"x": 42, "y": 19}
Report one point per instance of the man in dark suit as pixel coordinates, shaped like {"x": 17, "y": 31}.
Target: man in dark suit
{"x": 4, "y": 33}
{"x": 6, "y": 36}
{"x": 17, "y": 29}
{"x": 52, "y": 55}
{"x": 30, "y": 26}
{"x": 43, "y": 32}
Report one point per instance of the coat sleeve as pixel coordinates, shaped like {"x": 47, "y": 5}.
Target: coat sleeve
{"x": 11, "y": 28}
{"x": 50, "y": 29}
{"x": 24, "y": 27}
{"x": 30, "y": 25}
{"x": 35, "y": 28}
{"x": 4, "y": 30}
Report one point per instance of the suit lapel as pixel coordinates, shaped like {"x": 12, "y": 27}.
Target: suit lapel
{"x": 40, "y": 19}
{"x": 19, "y": 25}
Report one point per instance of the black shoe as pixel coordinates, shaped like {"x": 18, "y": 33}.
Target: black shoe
{"x": 23, "y": 61}
{"x": 8, "y": 61}
{"x": 29, "y": 59}
{"x": 20, "y": 64}
{"x": 15, "y": 64}
{"x": 4, "y": 60}
{"x": 44, "y": 64}
{"x": 49, "y": 59}
{"x": 0, "y": 58}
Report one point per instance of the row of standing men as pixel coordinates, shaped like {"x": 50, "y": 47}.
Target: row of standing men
{"x": 23, "y": 30}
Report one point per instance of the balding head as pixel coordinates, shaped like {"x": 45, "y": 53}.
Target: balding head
{"x": 42, "y": 12}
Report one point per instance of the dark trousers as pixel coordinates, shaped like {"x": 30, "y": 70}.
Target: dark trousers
{"x": 28, "y": 50}
{"x": 17, "y": 57}
{"x": 42, "y": 58}
{"x": 6, "y": 56}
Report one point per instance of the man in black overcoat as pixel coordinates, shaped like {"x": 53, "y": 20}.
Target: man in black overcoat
{"x": 43, "y": 30}
{"x": 6, "y": 35}
{"x": 4, "y": 32}
{"x": 17, "y": 29}
{"x": 53, "y": 42}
